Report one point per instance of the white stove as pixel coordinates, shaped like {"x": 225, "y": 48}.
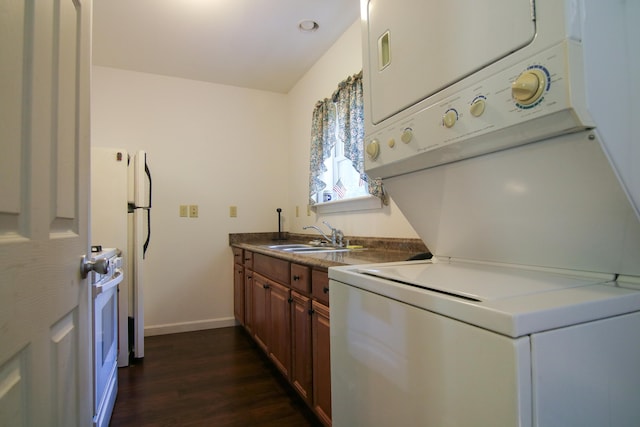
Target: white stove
{"x": 104, "y": 284}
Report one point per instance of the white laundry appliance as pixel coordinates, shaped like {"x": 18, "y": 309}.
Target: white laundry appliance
{"x": 504, "y": 132}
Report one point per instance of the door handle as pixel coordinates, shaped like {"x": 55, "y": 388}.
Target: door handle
{"x": 98, "y": 289}
{"x": 99, "y": 266}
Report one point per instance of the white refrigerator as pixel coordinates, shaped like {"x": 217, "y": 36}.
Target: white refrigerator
{"x": 121, "y": 218}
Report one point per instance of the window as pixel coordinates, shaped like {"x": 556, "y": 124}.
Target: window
{"x": 337, "y": 148}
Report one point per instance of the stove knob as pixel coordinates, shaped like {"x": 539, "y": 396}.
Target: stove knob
{"x": 373, "y": 149}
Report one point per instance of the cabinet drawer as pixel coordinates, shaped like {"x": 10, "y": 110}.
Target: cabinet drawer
{"x": 237, "y": 255}
{"x": 300, "y": 278}
{"x": 320, "y": 286}
{"x": 247, "y": 259}
{"x": 273, "y": 268}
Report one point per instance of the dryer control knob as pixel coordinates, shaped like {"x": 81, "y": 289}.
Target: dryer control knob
{"x": 529, "y": 86}
{"x": 407, "y": 135}
{"x": 450, "y": 118}
{"x": 477, "y": 107}
{"x": 373, "y": 149}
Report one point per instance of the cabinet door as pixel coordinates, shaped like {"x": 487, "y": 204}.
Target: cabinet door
{"x": 260, "y": 286}
{"x": 301, "y": 360}
{"x": 279, "y": 321}
{"x": 321, "y": 362}
{"x": 301, "y": 278}
{"x": 238, "y": 293}
{"x": 320, "y": 286}
{"x": 247, "y": 259}
{"x": 248, "y": 299}
{"x": 237, "y": 255}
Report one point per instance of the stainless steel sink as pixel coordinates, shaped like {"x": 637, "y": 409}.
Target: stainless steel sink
{"x": 316, "y": 249}
{"x": 305, "y": 248}
{"x": 290, "y": 246}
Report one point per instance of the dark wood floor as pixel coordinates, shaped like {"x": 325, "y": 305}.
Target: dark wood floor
{"x": 214, "y": 378}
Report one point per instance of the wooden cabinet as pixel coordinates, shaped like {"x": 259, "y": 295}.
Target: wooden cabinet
{"x": 238, "y": 293}
{"x": 301, "y": 356}
{"x": 279, "y": 325}
{"x": 259, "y": 300}
{"x": 248, "y": 299}
{"x": 285, "y": 308}
{"x": 271, "y": 320}
{"x": 321, "y": 362}
{"x": 320, "y": 286}
{"x": 301, "y": 278}
{"x": 238, "y": 286}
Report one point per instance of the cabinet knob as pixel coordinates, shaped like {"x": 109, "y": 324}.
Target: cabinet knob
{"x": 325, "y": 290}
{"x": 290, "y": 300}
{"x": 296, "y": 277}
{"x": 266, "y": 286}
{"x": 311, "y": 311}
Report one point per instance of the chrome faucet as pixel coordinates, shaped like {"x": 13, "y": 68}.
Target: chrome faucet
{"x": 336, "y": 235}
{"x": 327, "y": 238}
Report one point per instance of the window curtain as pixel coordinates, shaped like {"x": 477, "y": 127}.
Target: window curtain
{"x": 345, "y": 111}
{"x": 322, "y": 141}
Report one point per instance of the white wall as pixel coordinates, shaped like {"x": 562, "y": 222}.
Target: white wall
{"x": 343, "y": 59}
{"x": 209, "y": 145}
{"x": 217, "y": 146}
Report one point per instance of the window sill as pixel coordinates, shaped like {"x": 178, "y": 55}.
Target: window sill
{"x": 348, "y": 205}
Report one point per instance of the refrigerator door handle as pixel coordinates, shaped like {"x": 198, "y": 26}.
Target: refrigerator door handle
{"x": 148, "y": 173}
{"x": 146, "y": 242}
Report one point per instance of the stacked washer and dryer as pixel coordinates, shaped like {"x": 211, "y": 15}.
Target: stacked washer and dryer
{"x": 504, "y": 131}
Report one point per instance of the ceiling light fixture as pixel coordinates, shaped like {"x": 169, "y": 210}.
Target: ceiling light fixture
{"x": 308, "y": 26}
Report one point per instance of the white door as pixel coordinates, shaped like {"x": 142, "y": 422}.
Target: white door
{"x": 45, "y": 350}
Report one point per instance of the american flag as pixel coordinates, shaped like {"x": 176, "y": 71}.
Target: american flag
{"x": 339, "y": 189}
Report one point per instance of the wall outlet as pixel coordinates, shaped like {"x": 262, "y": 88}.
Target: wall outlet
{"x": 193, "y": 211}
{"x": 233, "y": 211}
{"x": 184, "y": 211}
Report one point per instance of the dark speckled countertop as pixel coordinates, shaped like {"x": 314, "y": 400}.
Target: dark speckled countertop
{"x": 376, "y": 250}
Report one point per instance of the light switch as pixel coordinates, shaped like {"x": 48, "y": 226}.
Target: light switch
{"x": 297, "y": 211}
{"x": 193, "y": 211}
{"x": 184, "y": 211}
{"x": 308, "y": 210}
{"x": 233, "y": 211}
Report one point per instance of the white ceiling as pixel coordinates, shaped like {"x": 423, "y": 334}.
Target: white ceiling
{"x": 248, "y": 43}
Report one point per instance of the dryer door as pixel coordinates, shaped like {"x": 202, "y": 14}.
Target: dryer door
{"x": 416, "y": 48}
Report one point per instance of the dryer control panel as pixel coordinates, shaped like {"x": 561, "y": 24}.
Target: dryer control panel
{"x": 530, "y": 101}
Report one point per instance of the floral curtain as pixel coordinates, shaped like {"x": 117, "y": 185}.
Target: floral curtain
{"x": 322, "y": 141}
{"x": 345, "y": 111}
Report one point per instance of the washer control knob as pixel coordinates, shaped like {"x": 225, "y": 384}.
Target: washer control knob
{"x": 391, "y": 143}
{"x": 407, "y": 135}
{"x": 477, "y": 107}
{"x": 373, "y": 149}
{"x": 450, "y": 117}
{"x": 529, "y": 86}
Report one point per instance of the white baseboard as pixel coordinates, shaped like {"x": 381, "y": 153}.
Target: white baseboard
{"x": 174, "y": 328}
